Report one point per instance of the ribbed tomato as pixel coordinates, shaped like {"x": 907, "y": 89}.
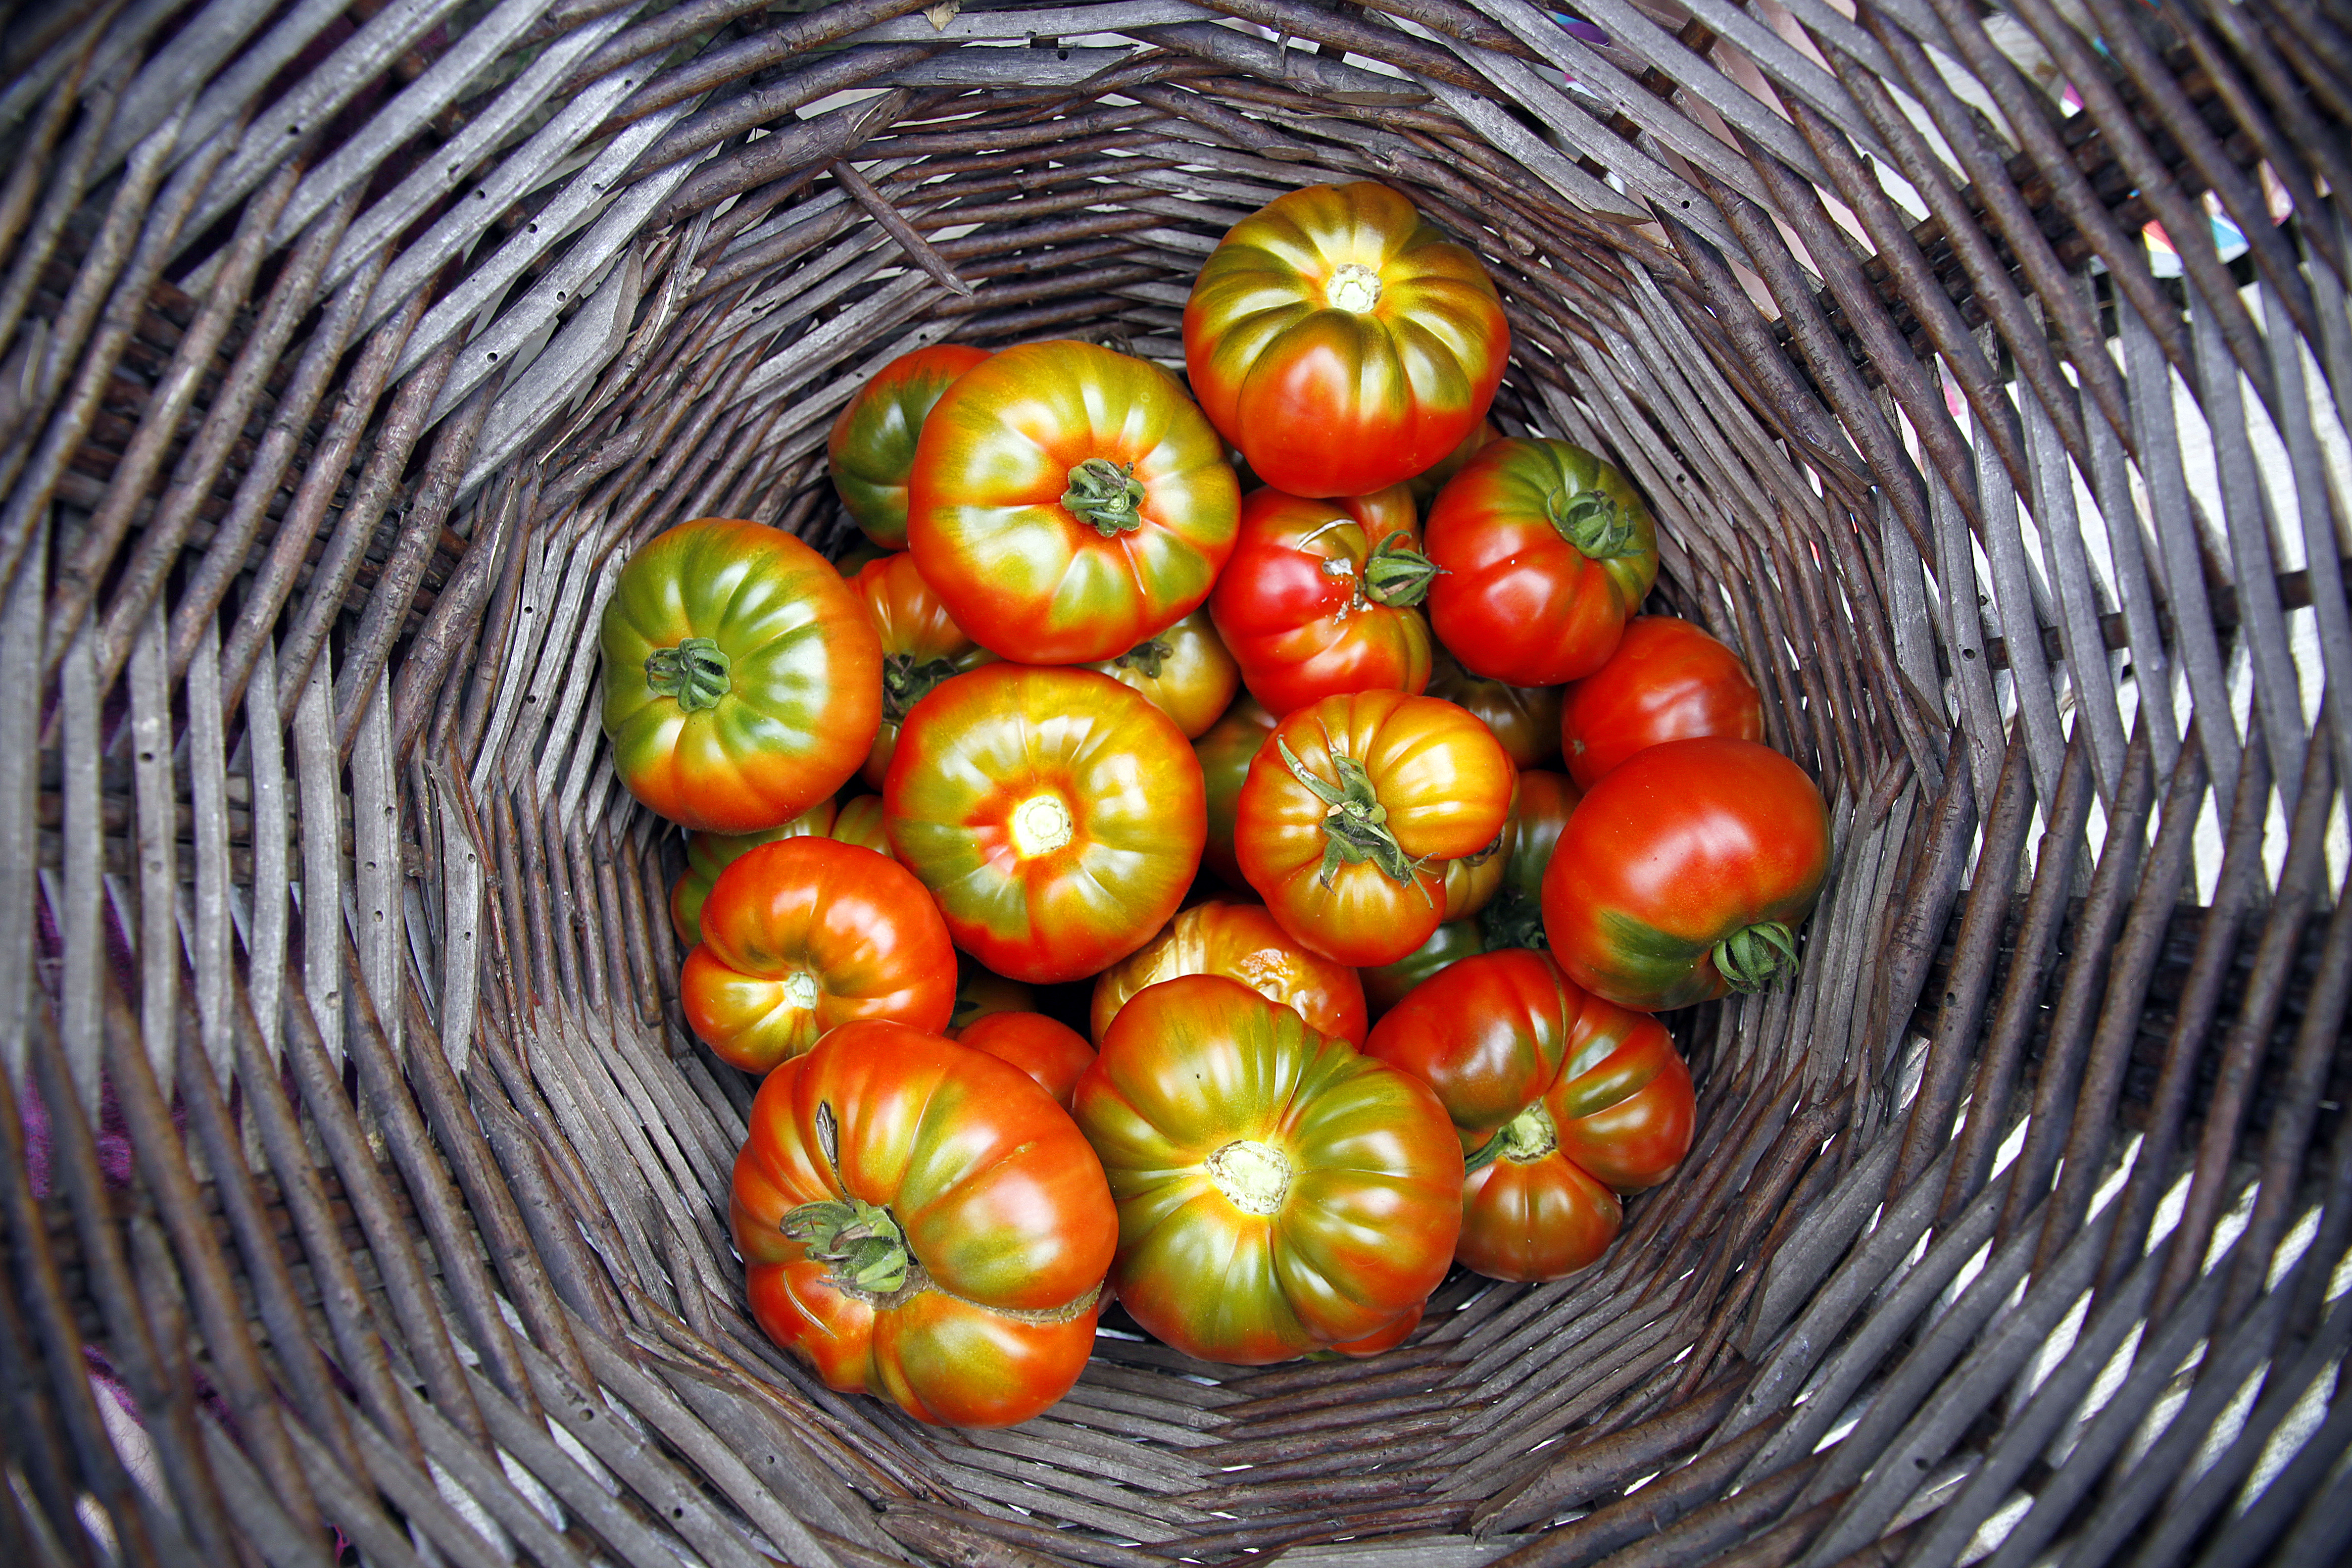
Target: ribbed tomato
{"x": 1048, "y": 1049}
{"x": 1240, "y": 942}
{"x": 1185, "y": 671}
{"x": 1668, "y": 680}
{"x": 1514, "y": 918}
{"x": 709, "y": 854}
{"x": 922, "y": 645}
{"x": 871, "y": 448}
{"x": 1526, "y": 719}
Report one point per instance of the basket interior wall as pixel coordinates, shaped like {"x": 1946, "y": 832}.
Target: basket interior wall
{"x": 362, "y": 1186}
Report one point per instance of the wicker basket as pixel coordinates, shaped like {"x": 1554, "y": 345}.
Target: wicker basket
{"x": 362, "y": 1191}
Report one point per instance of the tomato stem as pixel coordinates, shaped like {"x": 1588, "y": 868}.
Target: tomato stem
{"x": 1356, "y": 827}
{"x": 1757, "y": 957}
{"x": 907, "y": 681}
{"x": 1525, "y": 1138}
{"x": 1145, "y": 657}
{"x": 697, "y": 672}
{"x": 1353, "y": 287}
{"x": 1106, "y": 495}
{"x": 1398, "y": 575}
{"x": 1254, "y": 1177}
{"x": 862, "y": 1241}
{"x": 1595, "y": 521}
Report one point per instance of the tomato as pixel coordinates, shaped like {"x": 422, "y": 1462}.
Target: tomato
{"x": 921, "y": 1222}
{"x": 1386, "y": 985}
{"x": 922, "y": 645}
{"x": 1317, "y": 599}
{"x": 1386, "y": 1338}
{"x": 1068, "y": 503}
{"x": 1425, "y": 484}
{"x": 804, "y": 935}
{"x": 741, "y": 682}
{"x": 1515, "y": 916}
{"x": 1526, "y": 719}
{"x": 707, "y": 854}
{"x": 1547, "y": 550}
{"x": 1056, "y": 816}
{"x": 1241, "y": 943}
{"x": 1668, "y": 680}
{"x": 1048, "y": 1049}
{"x": 871, "y": 447}
{"x": 1684, "y": 874}
{"x": 1472, "y": 880}
{"x": 1225, "y": 753}
{"x": 1185, "y": 671}
{"x": 1351, "y": 812}
{"x": 1278, "y": 1190}
{"x": 1562, "y": 1099}
{"x": 859, "y": 821}
{"x": 1342, "y": 343}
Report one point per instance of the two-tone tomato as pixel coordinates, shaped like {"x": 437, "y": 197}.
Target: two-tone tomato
{"x": 1185, "y": 671}
{"x": 1240, "y": 942}
{"x": 1526, "y": 719}
{"x": 870, "y": 450}
{"x": 922, "y": 645}
{"x": 1225, "y": 753}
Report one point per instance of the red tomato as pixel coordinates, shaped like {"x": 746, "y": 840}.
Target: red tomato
{"x": 804, "y": 935}
{"x": 1240, "y": 942}
{"x": 1547, "y": 550}
{"x": 871, "y": 447}
{"x": 922, "y": 1222}
{"x": 1425, "y": 484}
{"x": 709, "y": 854}
{"x": 981, "y": 991}
{"x": 922, "y": 645}
{"x": 1225, "y": 753}
{"x": 1317, "y": 598}
{"x": 1048, "y": 1050}
{"x": 1684, "y": 874}
{"x": 1668, "y": 680}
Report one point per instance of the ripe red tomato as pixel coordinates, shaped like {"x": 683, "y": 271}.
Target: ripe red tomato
{"x": 871, "y": 447}
{"x": 804, "y": 935}
{"x": 1317, "y": 599}
{"x": 1547, "y": 550}
{"x": 709, "y": 854}
{"x": 1048, "y": 1049}
{"x": 921, "y": 1222}
{"x": 1526, "y": 719}
{"x": 1240, "y": 942}
{"x": 1056, "y": 816}
{"x": 1185, "y": 671}
{"x": 1351, "y": 812}
{"x": 1278, "y": 1190}
{"x": 1684, "y": 874}
{"x": 1341, "y": 342}
{"x": 1425, "y": 484}
{"x": 922, "y": 645}
{"x": 1668, "y": 680}
{"x": 1225, "y": 753}
{"x": 1068, "y": 503}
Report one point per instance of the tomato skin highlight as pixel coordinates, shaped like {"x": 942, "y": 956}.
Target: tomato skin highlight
{"x": 1684, "y": 846}
{"x": 1243, "y": 942}
{"x": 1667, "y": 680}
{"x": 1048, "y": 1049}
{"x": 870, "y": 450}
{"x": 1341, "y": 342}
{"x": 709, "y": 854}
{"x": 1526, "y": 719}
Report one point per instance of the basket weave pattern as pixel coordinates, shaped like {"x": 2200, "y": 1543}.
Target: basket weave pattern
{"x": 362, "y": 1187}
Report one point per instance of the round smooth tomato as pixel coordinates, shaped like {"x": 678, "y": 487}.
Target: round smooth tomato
{"x": 1185, "y": 672}
{"x": 1225, "y": 753}
{"x": 741, "y": 682}
{"x": 1561, "y": 1100}
{"x": 1317, "y": 599}
{"x": 1069, "y": 503}
{"x": 1056, "y": 816}
{"x": 871, "y": 447}
{"x": 921, "y": 1222}
{"x": 1278, "y": 1190}
{"x": 1685, "y": 873}
{"x": 1048, "y": 1049}
{"x": 1240, "y": 942}
{"x": 922, "y": 645}
{"x": 1668, "y": 680}
{"x": 804, "y": 935}
{"x": 1546, "y": 552}
{"x": 1341, "y": 342}
{"x": 1514, "y": 917}
{"x": 709, "y": 854}
{"x": 1351, "y": 810}
{"x": 1526, "y": 719}
{"x": 1386, "y": 985}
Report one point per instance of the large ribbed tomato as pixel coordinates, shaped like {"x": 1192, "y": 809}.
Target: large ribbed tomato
{"x": 1068, "y": 503}
{"x": 871, "y": 447}
{"x": 804, "y": 935}
{"x": 922, "y": 1222}
{"x": 1278, "y": 1190}
{"x": 1546, "y": 552}
{"x": 1317, "y": 599}
{"x": 922, "y": 645}
{"x": 709, "y": 854}
{"x": 1240, "y": 942}
{"x": 1351, "y": 811}
{"x": 1054, "y": 814}
{"x": 1225, "y": 751}
{"x": 1185, "y": 671}
{"x": 1668, "y": 680}
{"x": 741, "y": 682}
{"x": 1685, "y": 873}
{"x": 1561, "y": 1101}
{"x": 1341, "y": 342}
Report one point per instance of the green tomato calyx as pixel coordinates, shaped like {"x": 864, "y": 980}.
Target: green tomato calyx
{"x": 1106, "y": 495}
{"x": 697, "y": 672}
{"x": 861, "y": 1241}
{"x": 1397, "y": 575}
{"x": 1253, "y": 1176}
{"x": 1595, "y": 521}
{"x": 1042, "y": 824}
{"x": 1512, "y": 919}
{"x": 907, "y": 681}
{"x": 1355, "y": 825}
{"x": 1146, "y": 658}
{"x": 1354, "y": 287}
{"x": 1525, "y": 1138}
{"x": 1757, "y": 957}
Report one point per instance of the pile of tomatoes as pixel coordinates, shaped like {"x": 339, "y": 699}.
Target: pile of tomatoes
{"x": 1082, "y": 668}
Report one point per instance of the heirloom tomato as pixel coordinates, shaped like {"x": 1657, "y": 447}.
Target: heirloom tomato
{"x": 1278, "y": 1190}
{"x": 1386, "y": 985}
{"x": 1546, "y": 552}
{"x": 1684, "y": 874}
{"x": 804, "y": 935}
{"x": 1241, "y": 943}
{"x": 1351, "y": 812}
{"x": 1342, "y": 343}
{"x": 1472, "y": 880}
{"x": 1668, "y": 680}
{"x": 1561, "y": 1101}
{"x": 1048, "y": 1049}
{"x": 981, "y": 991}
{"x": 707, "y": 854}
{"x": 921, "y": 1222}
{"x": 1317, "y": 599}
{"x": 1526, "y": 719}
{"x": 871, "y": 448}
{"x": 741, "y": 682}
{"x": 859, "y": 821}
{"x": 1185, "y": 672}
{"x": 922, "y": 645}
{"x": 1514, "y": 918}
{"x": 1068, "y": 503}
{"x": 1225, "y": 753}
{"x": 1054, "y": 814}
